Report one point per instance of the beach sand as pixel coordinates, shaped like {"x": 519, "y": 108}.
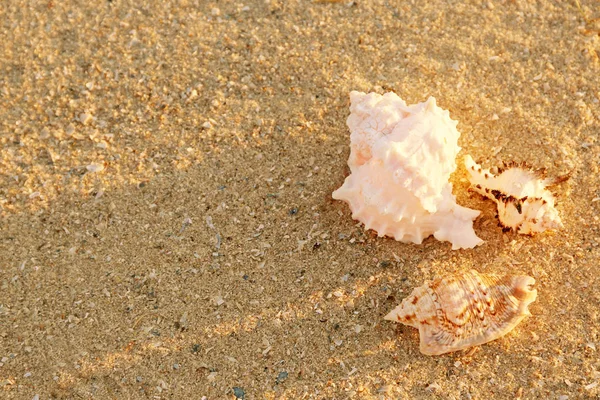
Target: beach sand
{"x": 167, "y": 229}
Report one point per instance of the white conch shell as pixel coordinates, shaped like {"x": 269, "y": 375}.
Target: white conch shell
{"x": 460, "y": 311}
{"x": 524, "y": 203}
{"x": 401, "y": 158}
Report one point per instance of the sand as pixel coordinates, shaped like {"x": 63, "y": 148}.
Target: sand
{"x": 167, "y": 228}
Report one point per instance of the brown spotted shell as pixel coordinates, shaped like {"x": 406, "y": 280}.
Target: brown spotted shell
{"x": 460, "y": 311}
{"x": 525, "y": 205}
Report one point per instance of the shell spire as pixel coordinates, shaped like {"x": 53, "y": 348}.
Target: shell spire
{"x": 525, "y": 205}
{"x": 404, "y": 155}
{"x": 459, "y": 311}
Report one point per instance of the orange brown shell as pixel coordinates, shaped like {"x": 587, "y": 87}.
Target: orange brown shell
{"x": 459, "y": 311}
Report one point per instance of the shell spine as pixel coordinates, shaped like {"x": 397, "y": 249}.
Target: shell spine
{"x": 524, "y": 203}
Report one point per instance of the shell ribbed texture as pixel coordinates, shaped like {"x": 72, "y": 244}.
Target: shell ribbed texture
{"x": 460, "y": 311}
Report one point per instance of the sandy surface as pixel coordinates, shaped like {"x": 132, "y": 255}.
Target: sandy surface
{"x": 167, "y": 228}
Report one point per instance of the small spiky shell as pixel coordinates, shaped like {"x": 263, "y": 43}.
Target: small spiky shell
{"x": 401, "y": 159}
{"x": 459, "y": 311}
{"x": 524, "y": 203}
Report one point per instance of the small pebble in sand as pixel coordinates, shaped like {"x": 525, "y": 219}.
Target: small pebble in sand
{"x": 85, "y": 118}
{"x": 591, "y": 386}
{"x": 44, "y": 133}
{"x": 282, "y": 376}
{"x": 433, "y": 387}
{"x": 209, "y": 222}
{"x": 385, "y": 389}
{"x": 239, "y": 393}
{"x": 69, "y": 130}
{"x": 95, "y": 167}
{"x": 218, "y": 300}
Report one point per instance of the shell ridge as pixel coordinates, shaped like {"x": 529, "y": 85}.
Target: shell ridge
{"x": 460, "y": 311}
{"x": 508, "y": 304}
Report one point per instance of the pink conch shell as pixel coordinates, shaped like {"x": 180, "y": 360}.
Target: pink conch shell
{"x": 460, "y": 311}
{"x": 401, "y": 158}
{"x": 524, "y": 203}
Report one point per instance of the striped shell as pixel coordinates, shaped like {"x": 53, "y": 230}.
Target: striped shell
{"x": 460, "y": 311}
{"x": 524, "y": 204}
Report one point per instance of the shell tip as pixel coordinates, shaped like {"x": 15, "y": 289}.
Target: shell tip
{"x": 393, "y": 315}
{"x": 430, "y": 104}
